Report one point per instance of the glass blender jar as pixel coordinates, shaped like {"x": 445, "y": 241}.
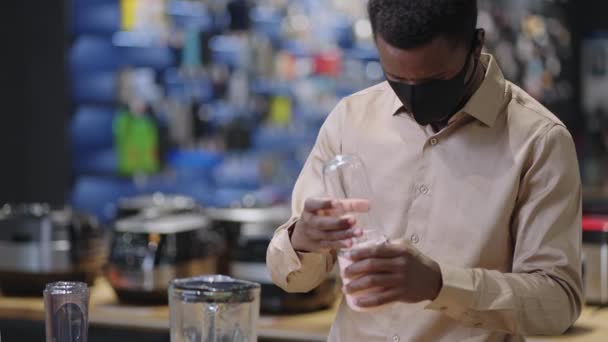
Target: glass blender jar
{"x": 213, "y": 308}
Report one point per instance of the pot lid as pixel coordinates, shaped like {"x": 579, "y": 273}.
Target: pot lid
{"x": 279, "y": 214}
{"x": 30, "y": 209}
{"x": 157, "y": 200}
{"x": 168, "y": 224}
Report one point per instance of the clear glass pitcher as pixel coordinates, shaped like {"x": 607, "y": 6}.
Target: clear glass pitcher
{"x": 214, "y": 308}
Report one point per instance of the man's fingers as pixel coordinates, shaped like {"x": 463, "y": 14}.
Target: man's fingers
{"x": 372, "y": 281}
{"x": 343, "y": 234}
{"x": 353, "y": 206}
{"x": 313, "y": 205}
{"x": 329, "y": 223}
{"x": 338, "y": 235}
{"x": 326, "y": 206}
{"x": 381, "y": 251}
{"x": 371, "y": 266}
{"x": 335, "y": 245}
{"x": 378, "y": 299}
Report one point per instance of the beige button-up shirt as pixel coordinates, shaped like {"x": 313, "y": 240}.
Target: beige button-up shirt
{"x": 494, "y": 198}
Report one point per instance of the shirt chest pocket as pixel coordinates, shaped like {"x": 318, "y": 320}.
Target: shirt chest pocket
{"x": 469, "y": 225}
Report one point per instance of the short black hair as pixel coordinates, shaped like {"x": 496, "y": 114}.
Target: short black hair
{"x": 406, "y": 24}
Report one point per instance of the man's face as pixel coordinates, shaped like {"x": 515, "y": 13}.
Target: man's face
{"x": 437, "y": 60}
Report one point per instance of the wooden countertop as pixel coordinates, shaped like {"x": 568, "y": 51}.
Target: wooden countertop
{"x": 105, "y": 311}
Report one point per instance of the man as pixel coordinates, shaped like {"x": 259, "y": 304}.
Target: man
{"x": 476, "y": 183}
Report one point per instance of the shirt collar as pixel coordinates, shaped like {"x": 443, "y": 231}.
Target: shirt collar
{"x": 488, "y": 100}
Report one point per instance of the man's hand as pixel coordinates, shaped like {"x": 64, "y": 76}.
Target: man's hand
{"x": 401, "y": 272}
{"x": 327, "y": 225}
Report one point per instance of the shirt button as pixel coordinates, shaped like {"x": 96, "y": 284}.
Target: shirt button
{"x": 424, "y": 189}
{"x": 396, "y": 338}
{"x": 434, "y": 141}
{"x": 415, "y": 238}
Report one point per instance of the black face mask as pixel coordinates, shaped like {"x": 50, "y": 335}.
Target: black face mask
{"x": 437, "y": 100}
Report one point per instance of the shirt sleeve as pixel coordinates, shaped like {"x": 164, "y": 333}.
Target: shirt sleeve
{"x": 543, "y": 294}
{"x": 291, "y": 270}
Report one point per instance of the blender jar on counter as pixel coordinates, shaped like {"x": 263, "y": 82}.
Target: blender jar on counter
{"x": 214, "y": 308}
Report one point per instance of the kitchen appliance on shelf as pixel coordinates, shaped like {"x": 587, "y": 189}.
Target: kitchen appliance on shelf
{"x": 595, "y": 255}
{"x": 534, "y": 43}
{"x": 595, "y": 204}
{"x": 594, "y": 80}
{"x": 39, "y": 245}
{"x": 157, "y": 202}
{"x": 249, "y": 231}
{"x": 167, "y": 238}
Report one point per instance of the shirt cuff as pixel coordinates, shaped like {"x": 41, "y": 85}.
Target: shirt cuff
{"x": 457, "y": 295}
{"x": 284, "y": 261}
{"x": 289, "y": 259}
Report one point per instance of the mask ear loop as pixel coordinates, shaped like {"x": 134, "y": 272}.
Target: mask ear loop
{"x": 476, "y": 42}
{"x": 472, "y": 78}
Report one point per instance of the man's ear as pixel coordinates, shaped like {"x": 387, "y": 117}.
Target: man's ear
{"x": 480, "y": 40}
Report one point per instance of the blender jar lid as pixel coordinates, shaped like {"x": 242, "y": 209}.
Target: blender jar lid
{"x": 214, "y": 289}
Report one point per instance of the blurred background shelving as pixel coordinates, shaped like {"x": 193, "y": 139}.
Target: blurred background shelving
{"x": 222, "y": 100}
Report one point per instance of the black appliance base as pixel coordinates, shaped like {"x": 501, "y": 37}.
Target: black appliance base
{"x": 275, "y": 301}
{"x": 140, "y": 297}
{"x": 32, "y": 285}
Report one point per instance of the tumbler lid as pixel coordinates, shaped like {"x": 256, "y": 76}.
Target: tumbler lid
{"x": 66, "y": 288}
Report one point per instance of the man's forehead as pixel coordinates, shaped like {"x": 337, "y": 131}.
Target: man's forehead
{"x": 421, "y": 63}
